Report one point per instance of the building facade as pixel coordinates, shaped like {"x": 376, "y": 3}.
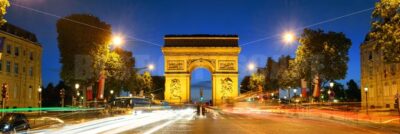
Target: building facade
{"x": 381, "y": 79}
{"x": 20, "y": 66}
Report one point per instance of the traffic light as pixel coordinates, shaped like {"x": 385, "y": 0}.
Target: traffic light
{"x": 201, "y": 92}
{"x": 62, "y": 93}
{"x": 4, "y": 91}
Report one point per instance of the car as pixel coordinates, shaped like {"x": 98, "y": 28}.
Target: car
{"x": 14, "y": 122}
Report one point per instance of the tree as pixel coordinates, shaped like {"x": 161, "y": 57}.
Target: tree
{"x": 147, "y": 81}
{"x": 385, "y": 29}
{"x": 120, "y": 70}
{"x": 353, "y": 92}
{"x": 83, "y": 42}
{"x": 158, "y": 87}
{"x": 276, "y": 72}
{"x": 49, "y": 96}
{"x": 143, "y": 82}
{"x": 257, "y": 82}
{"x": 322, "y": 55}
{"x": 3, "y": 10}
{"x": 244, "y": 85}
{"x": 289, "y": 77}
{"x": 271, "y": 81}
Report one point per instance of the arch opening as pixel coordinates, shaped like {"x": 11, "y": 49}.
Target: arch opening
{"x": 201, "y": 83}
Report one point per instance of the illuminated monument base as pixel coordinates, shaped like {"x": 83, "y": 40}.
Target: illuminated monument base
{"x": 216, "y": 53}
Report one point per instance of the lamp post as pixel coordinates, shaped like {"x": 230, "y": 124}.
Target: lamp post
{"x": 111, "y": 95}
{"x": 295, "y": 98}
{"x": 62, "y": 95}
{"x": 40, "y": 99}
{"x": 77, "y": 97}
{"x": 331, "y": 84}
{"x": 77, "y": 92}
{"x": 272, "y": 96}
{"x": 289, "y": 95}
{"x": 329, "y": 95}
{"x": 366, "y": 98}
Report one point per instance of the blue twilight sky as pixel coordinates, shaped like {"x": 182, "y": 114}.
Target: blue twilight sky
{"x": 150, "y": 20}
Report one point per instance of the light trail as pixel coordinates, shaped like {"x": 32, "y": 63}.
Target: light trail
{"x": 78, "y": 22}
{"x": 124, "y": 123}
{"x": 311, "y": 25}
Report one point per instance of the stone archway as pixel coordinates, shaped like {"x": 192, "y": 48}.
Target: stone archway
{"x": 216, "y": 53}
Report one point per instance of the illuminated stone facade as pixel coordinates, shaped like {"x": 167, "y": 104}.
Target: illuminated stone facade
{"x": 20, "y": 66}
{"x": 216, "y": 53}
{"x": 381, "y": 79}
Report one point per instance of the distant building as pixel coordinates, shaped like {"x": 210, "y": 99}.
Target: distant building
{"x": 381, "y": 79}
{"x": 273, "y": 69}
{"x": 20, "y": 66}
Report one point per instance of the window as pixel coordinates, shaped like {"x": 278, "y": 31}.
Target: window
{"x": 16, "y": 51}
{"x": 393, "y": 69}
{"x": 16, "y": 69}
{"x": 8, "y": 66}
{"x": 31, "y": 55}
{"x": 8, "y": 49}
{"x": 30, "y": 92}
{"x": 370, "y": 56}
{"x": 31, "y": 71}
{"x": 384, "y": 73}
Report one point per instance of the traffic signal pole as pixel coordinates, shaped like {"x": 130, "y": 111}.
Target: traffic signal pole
{"x": 3, "y": 97}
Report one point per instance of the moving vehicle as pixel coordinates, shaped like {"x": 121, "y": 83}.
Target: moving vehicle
{"x": 14, "y": 122}
{"x": 125, "y": 102}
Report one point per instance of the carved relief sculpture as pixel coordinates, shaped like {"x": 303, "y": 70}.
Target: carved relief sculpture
{"x": 175, "y": 89}
{"x": 226, "y": 85}
{"x": 226, "y": 65}
{"x": 175, "y": 64}
{"x": 190, "y": 61}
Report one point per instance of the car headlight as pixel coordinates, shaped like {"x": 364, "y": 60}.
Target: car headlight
{"x": 6, "y": 127}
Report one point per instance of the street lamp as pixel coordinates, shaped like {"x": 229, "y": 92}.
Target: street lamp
{"x": 150, "y": 67}
{"x": 111, "y": 92}
{"x": 366, "y": 97}
{"x": 76, "y": 86}
{"x": 40, "y": 99}
{"x": 331, "y": 84}
{"x": 288, "y": 37}
{"x": 117, "y": 40}
{"x": 77, "y": 92}
{"x": 251, "y": 66}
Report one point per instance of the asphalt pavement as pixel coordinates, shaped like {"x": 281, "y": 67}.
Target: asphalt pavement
{"x": 258, "y": 123}
{"x": 185, "y": 121}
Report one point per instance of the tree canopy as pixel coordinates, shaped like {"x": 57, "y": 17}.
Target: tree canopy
{"x": 83, "y": 42}
{"x": 323, "y": 55}
{"x": 3, "y": 10}
{"x": 353, "y": 92}
{"x": 385, "y": 29}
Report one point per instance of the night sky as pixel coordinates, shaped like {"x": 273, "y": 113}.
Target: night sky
{"x": 150, "y": 20}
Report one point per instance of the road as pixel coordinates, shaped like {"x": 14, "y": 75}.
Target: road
{"x": 185, "y": 121}
{"x": 230, "y": 123}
